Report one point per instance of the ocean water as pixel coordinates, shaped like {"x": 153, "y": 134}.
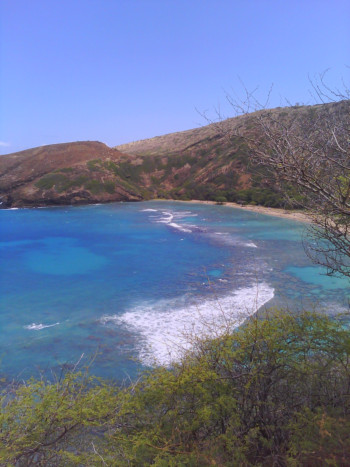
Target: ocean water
{"x": 131, "y": 285}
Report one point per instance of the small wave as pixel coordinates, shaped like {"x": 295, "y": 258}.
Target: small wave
{"x": 179, "y": 227}
{"x": 167, "y": 328}
{"x": 167, "y": 219}
{"x": 149, "y": 210}
{"x": 251, "y": 245}
{"x": 39, "y": 327}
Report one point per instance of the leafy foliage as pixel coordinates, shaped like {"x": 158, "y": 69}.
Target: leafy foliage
{"x": 41, "y": 421}
{"x": 61, "y": 182}
{"x": 275, "y": 392}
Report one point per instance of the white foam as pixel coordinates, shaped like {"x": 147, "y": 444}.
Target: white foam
{"x": 179, "y": 227}
{"x": 182, "y": 214}
{"x": 149, "y": 210}
{"x": 39, "y": 327}
{"x": 167, "y": 328}
{"x": 251, "y": 245}
{"x": 229, "y": 239}
{"x": 168, "y": 217}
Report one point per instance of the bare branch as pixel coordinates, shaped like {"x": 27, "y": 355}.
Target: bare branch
{"x": 307, "y": 151}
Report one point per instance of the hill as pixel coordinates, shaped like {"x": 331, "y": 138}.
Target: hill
{"x": 214, "y": 162}
{"x": 68, "y": 173}
{"x": 208, "y": 163}
{"x": 194, "y": 164}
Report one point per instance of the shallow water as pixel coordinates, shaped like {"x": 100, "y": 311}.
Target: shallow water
{"x": 131, "y": 281}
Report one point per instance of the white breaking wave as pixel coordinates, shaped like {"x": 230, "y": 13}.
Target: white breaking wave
{"x": 149, "y": 210}
{"x": 179, "y": 227}
{"x": 39, "y": 327}
{"x": 168, "y": 218}
{"x": 251, "y": 245}
{"x": 167, "y": 329}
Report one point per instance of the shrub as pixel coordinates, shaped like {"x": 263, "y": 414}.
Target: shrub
{"x": 94, "y": 164}
{"x": 264, "y": 395}
{"x": 273, "y": 392}
{"x": 60, "y": 182}
{"x": 42, "y": 422}
{"x": 220, "y": 199}
{"x": 109, "y": 186}
{"x": 50, "y": 180}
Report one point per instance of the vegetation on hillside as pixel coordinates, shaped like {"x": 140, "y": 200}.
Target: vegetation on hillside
{"x": 214, "y": 162}
{"x": 308, "y": 149}
{"x": 218, "y": 161}
{"x": 68, "y": 173}
{"x": 275, "y": 392}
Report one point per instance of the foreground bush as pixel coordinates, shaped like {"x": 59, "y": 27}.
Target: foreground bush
{"x": 275, "y": 392}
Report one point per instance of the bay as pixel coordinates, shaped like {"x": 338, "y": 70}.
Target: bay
{"x": 131, "y": 284}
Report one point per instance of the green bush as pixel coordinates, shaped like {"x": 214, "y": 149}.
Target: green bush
{"x": 60, "y": 182}
{"x": 267, "y": 394}
{"x": 50, "y": 180}
{"x": 94, "y": 164}
{"x": 111, "y": 167}
{"x": 220, "y": 199}
{"x": 95, "y": 186}
{"x": 109, "y": 186}
{"x": 41, "y": 422}
{"x": 273, "y": 392}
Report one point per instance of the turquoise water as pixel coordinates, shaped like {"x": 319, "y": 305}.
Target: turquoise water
{"x": 122, "y": 281}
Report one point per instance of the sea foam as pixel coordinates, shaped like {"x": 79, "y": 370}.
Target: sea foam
{"x": 168, "y": 217}
{"x": 168, "y": 328}
{"x": 228, "y": 239}
{"x": 39, "y": 327}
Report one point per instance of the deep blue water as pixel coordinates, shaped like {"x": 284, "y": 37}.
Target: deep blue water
{"x": 122, "y": 280}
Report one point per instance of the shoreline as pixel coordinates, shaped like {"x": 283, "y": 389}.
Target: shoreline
{"x": 293, "y": 215}
{"x": 276, "y": 212}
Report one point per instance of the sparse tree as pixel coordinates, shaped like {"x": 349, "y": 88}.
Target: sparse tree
{"x": 307, "y": 150}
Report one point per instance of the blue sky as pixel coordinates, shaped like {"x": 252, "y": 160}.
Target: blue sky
{"x": 122, "y": 70}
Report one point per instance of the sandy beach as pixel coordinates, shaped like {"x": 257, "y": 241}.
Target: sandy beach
{"x": 278, "y": 212}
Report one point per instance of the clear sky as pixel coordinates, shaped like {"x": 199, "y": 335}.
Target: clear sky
{"x": 122, "y": 70}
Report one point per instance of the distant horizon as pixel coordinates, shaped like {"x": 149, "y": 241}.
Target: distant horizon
{"x": 120, "y": 72}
